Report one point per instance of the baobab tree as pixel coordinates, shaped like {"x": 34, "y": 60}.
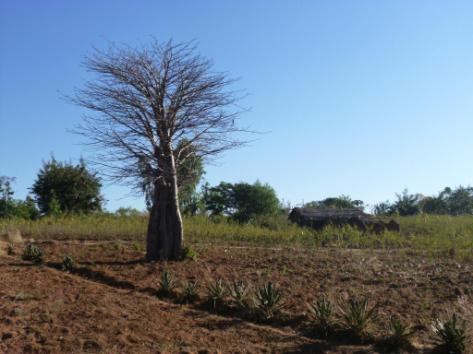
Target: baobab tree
{"x": 154, "y": 108}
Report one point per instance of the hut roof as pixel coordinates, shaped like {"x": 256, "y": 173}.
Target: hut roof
{"x": 332, "y": 213}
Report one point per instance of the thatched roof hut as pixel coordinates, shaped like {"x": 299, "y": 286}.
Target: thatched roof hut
{"x": 319, "y": 218}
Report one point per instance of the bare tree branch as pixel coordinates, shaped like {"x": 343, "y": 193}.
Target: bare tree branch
{"x": 149, "y": 102}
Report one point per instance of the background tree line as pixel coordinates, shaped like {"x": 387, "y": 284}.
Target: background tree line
{"x": 449, "y": 201}
{"x": 66, "y": 188}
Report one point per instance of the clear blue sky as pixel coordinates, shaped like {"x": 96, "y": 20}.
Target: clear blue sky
{"x": 363, "y": 98}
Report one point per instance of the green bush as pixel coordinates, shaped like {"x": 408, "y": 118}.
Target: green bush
{"x": 189, "y": 253}
{"x": 241, "y": 201}
{"x": 67, "y": 188}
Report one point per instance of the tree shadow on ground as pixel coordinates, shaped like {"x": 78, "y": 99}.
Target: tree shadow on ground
{"x": 96, "y": 276}
{"x": 115, "y": 263}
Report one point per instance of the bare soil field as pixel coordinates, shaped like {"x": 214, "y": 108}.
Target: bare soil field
{"x": 109, "y": 302}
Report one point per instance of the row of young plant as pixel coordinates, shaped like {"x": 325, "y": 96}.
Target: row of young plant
{"x": 352, "y": 318}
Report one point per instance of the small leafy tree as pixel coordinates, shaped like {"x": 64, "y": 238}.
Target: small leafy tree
{"x": 10, "y": 207}
{"x": 26, "y": 209}
{"x": 242, "y": 201}
{"x": 434, "y": 205}
{"x": 6, "y": 196}
{"x": 460, "y": 201}
{"x": 407, "y": 204}
{"x": 6, "y": 191}
{"x": 67, "y": 188}
{"x": 383, "y": 208}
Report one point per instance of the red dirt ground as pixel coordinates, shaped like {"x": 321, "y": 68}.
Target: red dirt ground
{"x": 108, "y": 305}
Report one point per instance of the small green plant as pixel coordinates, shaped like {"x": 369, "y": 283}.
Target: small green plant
{"x": 451, "y": 334}
{"x": 399, "y": 334}
{"x": 33, "y": 253}
{"x": 10, "y": 249}
{"x": 166, "y": 285}
{"x": 320, "y": 314}
{"x": 138, "y": 246}
{"x": 268, "y": 300}
{"x": 356, "y": 317}
{"x": 239, "y": 294}
{"x": 189, "y": 294}
{"x": 189, "y": 253}
{"x": 68, "y": 263}
{"x": 217, "y": 292}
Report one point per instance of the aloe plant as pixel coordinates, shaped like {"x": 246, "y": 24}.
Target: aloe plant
{"x": 268, "y": 300}
{"x": 399, "y": 333}
{"x": 166, "y": 284}
{"x": 356, "y": 316}
{"x": 451, "y": 334}
{"x": 190, "y": 291}
{"x": 239, "y": 293}
{"x": 33, "y": 253}
{"x": 217, "y": 292}
{"x": 321, "y": 313}
{"x": 68, "y": 263}
{"x": 10, "y": 249}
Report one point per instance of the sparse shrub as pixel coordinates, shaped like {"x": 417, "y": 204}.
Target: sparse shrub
{"x": 217, "y": 292}
{"x": 451, "y": 334}
{"x": 268, "y": 300}
{"x": 10, "y": 249}
{"x": 399, "y": 333}
{"x": 189, "y": 294}
{"x": 189, "y": 253}
{"x": 356, "y": 317}
{"x": 33, "y": 253}
{"x": 138, "y": 246}
{"x": 320, "y": 314}
{"x": 166, "y": 285}
{"x": 68, "y": 263}
{"x": 239, "y": 294}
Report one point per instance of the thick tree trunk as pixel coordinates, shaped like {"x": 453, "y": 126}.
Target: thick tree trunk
{"x": 165, "y": 230}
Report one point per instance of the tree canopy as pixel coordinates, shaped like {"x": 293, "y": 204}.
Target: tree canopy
{"x": 449, "y": 201}
{"x": 340, "y": 202}
{"x": 241, "y": 201}
{"x": 62, "y": 187}
{"x": 10, "y": 207}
